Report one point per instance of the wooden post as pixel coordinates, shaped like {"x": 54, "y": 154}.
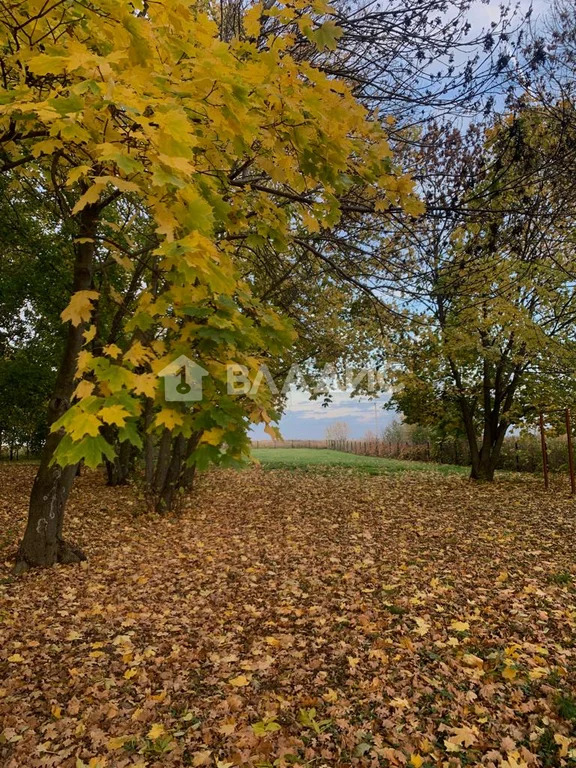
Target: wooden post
{"x": 544, "y": 451}
{"x": 570, "y": 451}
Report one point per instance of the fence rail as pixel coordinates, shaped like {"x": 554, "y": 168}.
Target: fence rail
{"x": 290, "y": 444}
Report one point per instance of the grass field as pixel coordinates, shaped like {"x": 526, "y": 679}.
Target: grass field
{"x": 324, "y": 460}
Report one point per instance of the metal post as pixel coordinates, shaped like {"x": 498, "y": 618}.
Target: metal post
{"x": 544, "y": 451}
{"x": 570, "y": 452}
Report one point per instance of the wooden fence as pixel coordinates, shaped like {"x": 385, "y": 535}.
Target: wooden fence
{"x": 289, "y": 444}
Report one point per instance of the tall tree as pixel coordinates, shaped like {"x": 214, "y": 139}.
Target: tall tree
{"x": 486, "y": 292}
{"x": 111, "y": 100}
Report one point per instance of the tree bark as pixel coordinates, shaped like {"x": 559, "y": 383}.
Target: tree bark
{"x": 174, "y": 474}
{"x": 171, "y": 485}
{"x": 483, "y": 468}
{"x": 42, "y": 544}
{"x": 118, "y": 471}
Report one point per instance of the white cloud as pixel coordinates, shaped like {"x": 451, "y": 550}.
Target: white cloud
{"x": 341, "y": 407}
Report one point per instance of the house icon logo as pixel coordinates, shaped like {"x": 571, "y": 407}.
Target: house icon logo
{"x": 183, "y": 380}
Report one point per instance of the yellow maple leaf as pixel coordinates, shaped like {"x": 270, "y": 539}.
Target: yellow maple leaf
{"x": 463, "y": 735}
{"x": 114, "y": 414}
{"x": 145, "y": 384}
{"x": 416, "y": 760}
{"x": 272, "y": 432}
{"x": 88, "y": 198}
{"x": 83, "y": 362}
{"x": 112, "y": 350}
{"x": 84, "y": 389}
{"x": 228, "y": 727}
{"x": 138, "y": 354}
{"x": 213, "y": 436}
{"x": 423, "y": 627}
{"x": 169, "y": 418}
{"x": 563, "y": 742}
{"x": 89, "y": 334}
{"x": 426, "y": 746}
{"x": 252, "y": 19}
{"x": 84, "y": 424}
{"x": 202, "y": 757}
{"x": 460, "y": 626}
{"x": 240, "y": 681}
{"x": 16, "y": 658}
{"x": 80, "y": 307}
{"x": 156, "y": 731}
{"x": 118, "y": 742}
{"x": 330, "y": 696}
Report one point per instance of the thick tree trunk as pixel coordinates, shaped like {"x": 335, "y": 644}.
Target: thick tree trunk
{"x": 485, "y": 460}
{"x": 483, "y": 468}
{"x": 42, "y": 544}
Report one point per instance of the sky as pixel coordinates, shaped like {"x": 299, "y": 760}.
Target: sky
{"x": 306, "y": 419}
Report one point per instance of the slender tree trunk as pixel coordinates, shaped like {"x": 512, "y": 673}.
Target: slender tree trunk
{"x": 42, "y": 544}
{"x": 173, "y": 474}
{"x": 189, "y": 471}
{"x": 148, "y": 444}
{"x": 162, "y": 461}
{"x": 171, "y": 485}
{"x": 118, "y": 471}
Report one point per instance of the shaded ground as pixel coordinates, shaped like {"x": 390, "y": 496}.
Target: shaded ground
{"x": 296, "y": 619}
{"x": 316, "y": 459}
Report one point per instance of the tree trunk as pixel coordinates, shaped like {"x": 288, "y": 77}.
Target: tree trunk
{"x": 118, "y": 471}
{"x": 162, "y": 461}
{"x": 173, "y": 473}
{"x": 148, "y": 443}
{"x": 171, "y": 485}
{"x": 42, "y": 544}
{"x": 483, "y": 468}
{"x": 485, "y": 460}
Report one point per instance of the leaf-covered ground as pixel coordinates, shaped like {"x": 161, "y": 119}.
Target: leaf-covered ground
{"x": 296, "y": 619}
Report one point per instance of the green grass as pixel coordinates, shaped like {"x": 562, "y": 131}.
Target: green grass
{"x": 319, "y": 459}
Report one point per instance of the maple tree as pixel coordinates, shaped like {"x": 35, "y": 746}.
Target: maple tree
{"x": 111, "y": 100}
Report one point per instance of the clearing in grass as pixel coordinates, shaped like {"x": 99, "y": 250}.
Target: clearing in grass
{"x": 326, "y": 459}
